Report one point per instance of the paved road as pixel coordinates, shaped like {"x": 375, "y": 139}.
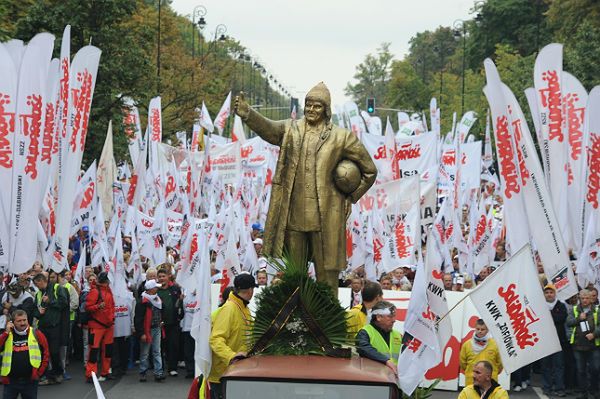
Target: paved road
{"x": 129, "y": 387}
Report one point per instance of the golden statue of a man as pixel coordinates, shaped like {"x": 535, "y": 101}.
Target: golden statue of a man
{"x": 307, "y": 212}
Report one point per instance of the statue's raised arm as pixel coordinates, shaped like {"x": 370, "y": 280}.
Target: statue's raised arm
{"x": 321, "y": 170}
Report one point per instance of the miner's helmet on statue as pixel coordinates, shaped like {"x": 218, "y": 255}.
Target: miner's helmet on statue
{"x": 346, "y": 176}
{"x": 321, "y": 93}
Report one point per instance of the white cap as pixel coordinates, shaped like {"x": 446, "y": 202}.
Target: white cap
{"x": 258, "y": 241}
{"x": 151, "y": 284}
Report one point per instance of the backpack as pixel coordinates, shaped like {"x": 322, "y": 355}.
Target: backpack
{"x": 84, "y": 315}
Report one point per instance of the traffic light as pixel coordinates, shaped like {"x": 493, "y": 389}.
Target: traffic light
{"x": 370, "y": 105}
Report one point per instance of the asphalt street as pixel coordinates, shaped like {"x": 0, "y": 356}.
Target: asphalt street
{"x": 128, "y": 387}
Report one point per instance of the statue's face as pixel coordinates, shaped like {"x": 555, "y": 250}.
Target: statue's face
{"x": 314, "y": 111}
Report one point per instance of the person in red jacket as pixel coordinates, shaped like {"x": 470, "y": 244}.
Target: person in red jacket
{"x": 100, "y": 306}
{"x": 25, "y": 357}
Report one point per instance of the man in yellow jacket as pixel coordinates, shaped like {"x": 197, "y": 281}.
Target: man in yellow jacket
{"x": 230, "y": 331}
{"x": 483, "y": 386}
{"x": 356, "y": 317}
{"x": 480, "y": 347}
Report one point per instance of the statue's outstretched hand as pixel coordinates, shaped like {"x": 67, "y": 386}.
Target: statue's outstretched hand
{"x": 241, "y": 107}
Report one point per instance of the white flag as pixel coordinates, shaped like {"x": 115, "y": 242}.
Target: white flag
{"x": 205, "y": 120}
{"x": 201, "y": 323}
{"x": 223, "y": 115}
{"x": 512, "y": 304}
{"x": 107, "y": 174}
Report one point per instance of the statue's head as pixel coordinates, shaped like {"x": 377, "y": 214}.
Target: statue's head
{"x": 318, "y": 95}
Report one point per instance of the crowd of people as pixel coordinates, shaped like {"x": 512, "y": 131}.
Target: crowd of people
{"x": 148, "y": 328}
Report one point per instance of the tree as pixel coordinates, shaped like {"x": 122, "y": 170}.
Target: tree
{"x": 406, "y": 89}
{"x": 520, "y": 24}
{"x": 372, "y": 77}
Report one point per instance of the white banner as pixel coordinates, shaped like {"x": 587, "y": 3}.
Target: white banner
{"x": 82, "y": 81}
{"x": 221, "y": 119}
{"x": 538, "y": 206}
{"x": 30, "y": 177}
{"x": 547, "y": 78}
{"x": 575, "y": 99}
{"x": 514, "y": 215}
{"x": 226, "y": 162}
{"x": 415, "y": 154}
{"x": 8, "y": 108}
{"x": 512, "y": 304}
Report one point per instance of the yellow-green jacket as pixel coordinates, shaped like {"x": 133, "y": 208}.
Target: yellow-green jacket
{"x": 468, "y": 359}
{"x": 229, "y": 335}
{"x": 355, "y": 320}
{"x": 469, "y": 392}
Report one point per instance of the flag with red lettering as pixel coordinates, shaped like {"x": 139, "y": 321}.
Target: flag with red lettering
{"x": 8, "y": 108}
{"x": 377, "y": 146}
{"x": 196, "y": 136}
{"x": 237, "y": 133}
{"x": 588, "y": 264}
{"x": 155, "y": 120}
{"x": 479, "y": 241}
{"x": 83, "y": 208}
{"x": 81, "y": 86}
{"x": 205, "y": 120}
{"x": 201, "y": 323}
{"x": 575, "y": 99}
{"x": 428, "y": 333}
{"x": 29, "y": 177}
{"x": 512, "y": 304}
{"x": 403, "y": 231}
{"x": 509, "y": 163}
{"x": 132, "y": 128}
{"x": 415, "y": 154}
{"x": 543, "y": 225}
{"x": 223, "y": 115}
{"x": 547, "y": 78}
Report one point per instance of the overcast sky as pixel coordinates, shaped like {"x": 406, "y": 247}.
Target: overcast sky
{"x": 307, "y": 41}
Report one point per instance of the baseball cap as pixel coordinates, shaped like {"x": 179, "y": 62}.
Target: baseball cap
{"x": 258, "y": 241}
{"x": 244, "y": 281}
{"x": 257, "y": 226}
{"x": 151, "y": 284}
{"x": 549, "y": 286}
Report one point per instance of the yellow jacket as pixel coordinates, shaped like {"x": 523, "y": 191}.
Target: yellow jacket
{"x": 468, "y": 358}
{"x": 469, "y": 392}
{"x": 229, "y": 335}
{"x": 355, "y": 320}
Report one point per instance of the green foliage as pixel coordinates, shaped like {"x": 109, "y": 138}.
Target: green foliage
{"x": 510, "y": 32}
{"x": 372, "y": 76}
{"x": 422, "y": 393}
{"x": 582, "y": 53}
{"x": 127, "y": 33}
{"x": 295, "y": 338}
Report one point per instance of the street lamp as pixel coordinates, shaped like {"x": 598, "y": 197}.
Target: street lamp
{"x": 158, "y": 51}
{"x": 199, "y": 11}
{"x": 460, "y": 29}
{"x": 220, "y": 31}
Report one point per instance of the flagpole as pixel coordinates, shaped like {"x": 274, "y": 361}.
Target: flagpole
{"x": 479, "y": 286}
